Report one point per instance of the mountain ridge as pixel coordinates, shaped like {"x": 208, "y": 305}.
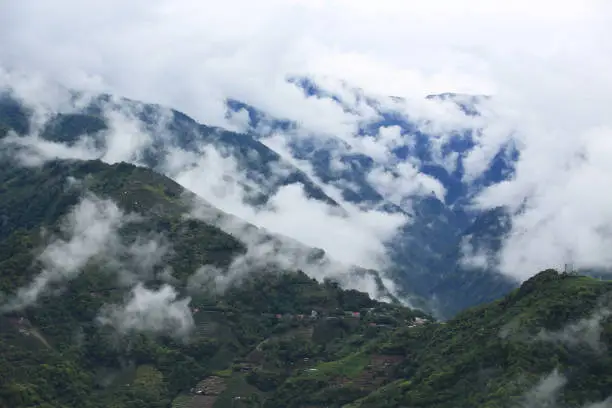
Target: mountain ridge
{"x": 157, "y": 317}
{"x": 133, "y": 274}
{"x": 423, "y": 251}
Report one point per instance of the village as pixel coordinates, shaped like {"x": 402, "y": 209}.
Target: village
{"x": 375, "y": 317}
{"x": 206, "y": 392}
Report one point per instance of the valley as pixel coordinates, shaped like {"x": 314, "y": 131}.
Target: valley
{"x": 120, "y": 287}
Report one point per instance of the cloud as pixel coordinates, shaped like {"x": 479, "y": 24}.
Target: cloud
{"x": 145, "y": 253}
{"x": 268, "y": 251}
{"x": 32, "y": 151}
{"x": 546, "y": 392}
{"x": 149, "y": 310}
{"x": 191, "y": 56}
{"x": 607, "y": 403}
{"x": 404, "y": 181}
{"x": 560, "y": 211}
{"x": 90, "y": 231}
{"x": 350, "y": 235}
{"x": 124, "y": 140}
{"x": 586, "y": 331}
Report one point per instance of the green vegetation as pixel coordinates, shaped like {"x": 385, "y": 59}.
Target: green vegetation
{"x": 259, "y": 344}
{"x": 55, "y": 352}
{"x": 491, "y": 355}
{"x": 349, "y": 367}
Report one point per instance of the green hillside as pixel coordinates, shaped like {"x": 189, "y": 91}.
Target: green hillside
{"x": 57, "y": 351}
{"x": 116, "y": 319}
{"x": 555, "y": 330}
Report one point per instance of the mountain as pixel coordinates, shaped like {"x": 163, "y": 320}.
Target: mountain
{"x": 545, "y": 344}
{"x": 424, "y": 250}
{"x": 483, "y": 239}
{"x": 119, "y": 288}
{"x": 128, "y": 302}
{"x": 169, "y": 129}
{"x": 113, "y": 295}
{"x": 83, "y": 129}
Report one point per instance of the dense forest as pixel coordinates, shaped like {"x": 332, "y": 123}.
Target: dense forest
{"x": 58, "y": 349}
{"x": 128, "y": 325}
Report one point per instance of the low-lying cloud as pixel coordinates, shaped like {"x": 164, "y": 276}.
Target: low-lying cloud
{"x": 585, "y": 331}
{"x": 349, "y": 234}
{"x": 545, "y": 98}
{"x": 90, "y": 230}
{"x": 158, "y": 311}
{"x": 91, "y": 233}
{"x": 548, "y": 391}
{"x": 268, "y": 251}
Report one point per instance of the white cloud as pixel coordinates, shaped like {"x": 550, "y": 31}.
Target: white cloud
{"x": 178, "y": 52}
{"x": 33, "y": 151}
{"x": 584, "y": 331}
{"x": 91, "y": 230}
{"x": 561, "y": 206}
{"x": 149, "y": 310}
{"x": 546, "y": 65}
{"x": 546, "y": 392}
{"x": 124, "y": 140}
{"x": 349, "y": 235}
{"x": 404, "y": 181}
{"x": 607, "y": 403}
{"x": 277, "y": 252}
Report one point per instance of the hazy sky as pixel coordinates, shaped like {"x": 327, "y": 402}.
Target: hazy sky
{"x": 547, "y": 63}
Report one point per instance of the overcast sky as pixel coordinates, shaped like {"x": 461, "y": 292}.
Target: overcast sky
{"x": 547, "y": 63}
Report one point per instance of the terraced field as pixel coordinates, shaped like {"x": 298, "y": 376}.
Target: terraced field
{"x": 206, "y": 329}
{"x": 182, "y": 401}
{"x": 202, "y": 401}
{"x": 204, "y": 394}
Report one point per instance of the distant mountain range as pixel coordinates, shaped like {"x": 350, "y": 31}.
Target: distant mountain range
{"x": 426, "y": 252}
{"x": 114, "y": 292}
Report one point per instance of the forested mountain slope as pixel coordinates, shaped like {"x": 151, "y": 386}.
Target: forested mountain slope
{"x": 424, "y": 252}
{"x": 544, "y": 345}
{"x": 113, "y": 296}
{"x": 168, "y": 130}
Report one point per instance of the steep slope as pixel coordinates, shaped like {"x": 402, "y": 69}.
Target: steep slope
{"x": 545, "y": 344}
{"x": 426, "y": 250}
{"x": 165, "y": 140}
{"x": 423, "y": 252}
{"x": 131, "y": 325}
{"x": 482, "y": 240}
{"x": 170, "y": 130}
{"x": 112, "y": 297}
